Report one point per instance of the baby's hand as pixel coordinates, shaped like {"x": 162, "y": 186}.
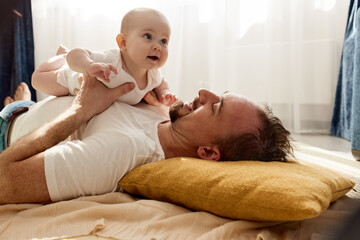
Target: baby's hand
{"x": 168, "y": 98}
{"x": 101, "y": 70}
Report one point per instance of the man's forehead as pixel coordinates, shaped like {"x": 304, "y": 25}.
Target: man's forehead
{"x": 231, "y": 96}
{"x": 241, "y": 111}
{"x": 239, "y": 103}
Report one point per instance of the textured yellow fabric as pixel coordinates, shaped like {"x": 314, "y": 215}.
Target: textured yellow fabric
{"x": 250, "y": 190}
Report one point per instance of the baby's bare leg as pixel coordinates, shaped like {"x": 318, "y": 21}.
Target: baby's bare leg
{"x": 44, "y": 78}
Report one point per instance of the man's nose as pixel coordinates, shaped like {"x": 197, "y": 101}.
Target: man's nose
{"x": 206, "y": 96}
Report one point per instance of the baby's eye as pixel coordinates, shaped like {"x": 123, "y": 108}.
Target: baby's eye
{"x": 163, "y": 41}
{"x": 147, "y": 36}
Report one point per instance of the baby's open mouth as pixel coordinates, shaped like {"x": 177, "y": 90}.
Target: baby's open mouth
{"x": 153, "y": 58}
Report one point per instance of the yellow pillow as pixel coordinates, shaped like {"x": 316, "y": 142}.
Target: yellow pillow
{"x": 251, "y": 190}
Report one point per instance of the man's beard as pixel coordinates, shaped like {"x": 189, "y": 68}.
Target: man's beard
{"x": 177, "y": 110}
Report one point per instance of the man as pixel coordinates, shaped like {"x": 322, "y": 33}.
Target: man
{"x": 41, "y": 167}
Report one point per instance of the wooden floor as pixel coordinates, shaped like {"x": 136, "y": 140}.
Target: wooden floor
{"x": 327, "y": 142}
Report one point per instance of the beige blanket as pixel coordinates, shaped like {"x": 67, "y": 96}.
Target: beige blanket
{"x": 120, "y": 216}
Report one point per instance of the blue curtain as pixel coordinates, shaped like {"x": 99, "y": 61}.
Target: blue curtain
{"x": 16, "y": 47}
{"x": 346, "y": 115}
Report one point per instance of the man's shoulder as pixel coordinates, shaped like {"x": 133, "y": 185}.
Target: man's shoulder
{"x": 139, "y": 113}
{"x": 160, "y": 112}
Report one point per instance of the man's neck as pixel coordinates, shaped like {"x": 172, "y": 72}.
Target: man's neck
{"x": 173, "y": 144}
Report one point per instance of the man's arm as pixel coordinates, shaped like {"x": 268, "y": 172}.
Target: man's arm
{"x": 22, "y": 174}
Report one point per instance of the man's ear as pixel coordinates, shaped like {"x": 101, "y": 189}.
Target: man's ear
{"x": 120, "y": 39}
{"x": 209, "y": 153}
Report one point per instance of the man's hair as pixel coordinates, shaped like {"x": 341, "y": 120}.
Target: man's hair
{"x": 272, "y": 143}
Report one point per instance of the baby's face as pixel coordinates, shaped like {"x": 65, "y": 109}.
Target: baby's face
{"x": 147, "y": 40}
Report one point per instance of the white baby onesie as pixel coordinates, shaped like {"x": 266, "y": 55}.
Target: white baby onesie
{"x": 69, "y": 78}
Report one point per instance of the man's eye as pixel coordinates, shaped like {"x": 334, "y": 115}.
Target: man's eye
{"x": 147, "y": 36}
{"x": 164, "y": 41}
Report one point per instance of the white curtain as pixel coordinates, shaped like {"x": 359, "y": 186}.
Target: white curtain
{"x": 284, "y": 53}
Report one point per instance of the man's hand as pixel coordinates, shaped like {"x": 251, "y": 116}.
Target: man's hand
{"x": 94, "y": 97}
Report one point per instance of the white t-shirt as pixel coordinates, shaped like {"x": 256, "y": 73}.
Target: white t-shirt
{"x": 101, "y": 152}
{"x": 69, "y": 79}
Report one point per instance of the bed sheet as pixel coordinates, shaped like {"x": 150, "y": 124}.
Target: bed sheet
{"x": 120, "y": 216}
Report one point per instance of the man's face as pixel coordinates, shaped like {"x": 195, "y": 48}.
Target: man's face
{"x": 210, "y": 116}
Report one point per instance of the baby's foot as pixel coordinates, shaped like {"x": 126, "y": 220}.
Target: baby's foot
{"x": 62, "y": 50}
{"x": 8, "y": 100}
{"x": 22, "y": 92}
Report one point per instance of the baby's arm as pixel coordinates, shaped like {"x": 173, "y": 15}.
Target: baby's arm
{"x": 79, "y": 60}
{"x": 44, "y": 78}
{"x": 164, "y": 95}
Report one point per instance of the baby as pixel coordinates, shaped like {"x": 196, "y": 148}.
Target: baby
{"x": 143, "y": 49}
